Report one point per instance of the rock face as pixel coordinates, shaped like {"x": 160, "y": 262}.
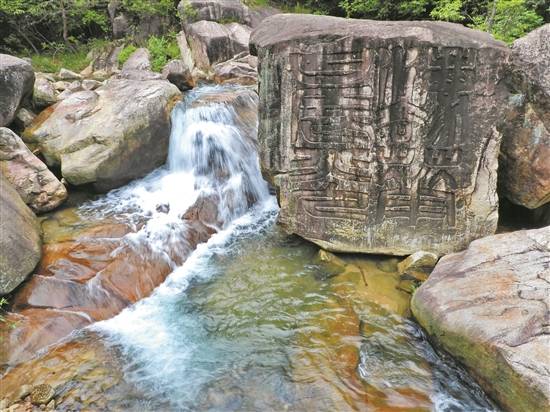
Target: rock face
{"x": 525, "y": 167}
{"x": 37, "y": 186}
{"x": 211, "y": 42}
{"x": 19, "y": 238}
{"x": 214, "y": 10}
{"x": 108, "y": 136}
{"x": 380, "y": 136}
{"x": 489, "y": 307}
{"x": 16, "y": 83}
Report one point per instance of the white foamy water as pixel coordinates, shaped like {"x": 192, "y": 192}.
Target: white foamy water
{"x": 208, "y": 158}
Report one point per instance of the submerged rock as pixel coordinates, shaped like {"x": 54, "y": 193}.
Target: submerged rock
{"x": 380, "y": 137}
{"x": 418, "y": 265}
{"x": 524, "y": 172}
{"x": 488, "y": 307}
{"x": 19, "y": 239}
{"x": 37, "y": 186}
{"x": 16, "y": 84}
{"x": 108, "y": 136}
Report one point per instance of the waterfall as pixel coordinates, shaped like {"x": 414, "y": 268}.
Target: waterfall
{"x": 212, "y": 166}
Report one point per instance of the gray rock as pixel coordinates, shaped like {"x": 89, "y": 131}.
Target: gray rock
{"x": 488, "y": 307}
{"x": 138, "y": 75}
{"x": 37, "y": 186}
{"x": 16, "y": 84}
{"x": 185, "y": 52}
{"x": 20, "y": 245}
{"x": 239, "y": 71}
{"x": 214, "y": 10}
{"x": 108, "y": 136}
{"x": 23, "y": 118}
{"x": 524, "y": 171}
{"x": 44, "y": 93}
{"x": 61, "y": 85}
{"x": 380, "y": 137}
{"x": 103, "y": 63}
{"x": 212, "y": 42}
{"x": 90, "y": 84}
{"x": 138, "y": 60}
{"x": 259, "y": 14}
{"x": 177, "y": 73}
{"x": 121, "y": 26}
{"x": 65, "y": 74}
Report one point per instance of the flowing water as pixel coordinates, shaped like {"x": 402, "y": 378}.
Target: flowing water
{"x": 254, "y": 319}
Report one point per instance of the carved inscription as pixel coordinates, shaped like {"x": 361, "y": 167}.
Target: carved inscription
{"x": 379, "y": 135}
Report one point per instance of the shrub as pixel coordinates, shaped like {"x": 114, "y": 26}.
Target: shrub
{"x": 162, "y": 49}
{"x": 125, "y": 53}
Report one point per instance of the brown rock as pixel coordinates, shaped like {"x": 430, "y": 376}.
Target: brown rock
{"x": 380, "y": 137}
{"x": 488, "y": 307}
{"x": 42, "y": 394}
{"x": 178, "y": 74}
{"x": 418, "y": 266}
{"x": 524, "y": 172}
{"x": 37, "y": 186}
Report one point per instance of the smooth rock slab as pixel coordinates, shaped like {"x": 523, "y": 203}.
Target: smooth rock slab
{"x": 37, "y": 186}
{"x": 489, "y": 307}
{"x": 107, "y": 136}
{"x": 380, "y": 136}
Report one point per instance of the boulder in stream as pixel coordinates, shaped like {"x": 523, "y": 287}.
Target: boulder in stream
{"x": 20, "y": 244}
{"x": 488, "y": 306}
{"x": 380, "y": 137}
{"x": 107, "y": 136}
{"x": 37, "y": 186}
{"x": 16, "y": 84}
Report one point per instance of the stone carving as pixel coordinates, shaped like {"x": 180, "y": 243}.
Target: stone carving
{"x": 382, "y": 139}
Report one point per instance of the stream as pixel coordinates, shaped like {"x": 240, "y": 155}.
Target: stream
{"x": 254, "y": 319}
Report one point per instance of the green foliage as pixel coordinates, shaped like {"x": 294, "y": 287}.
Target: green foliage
{"x": 256, "y": 3}
{"x": 508, "y": 20}
{"x": 51, "y": 63}
{"x": 162, "y": 49}
{"x": 448, "y": 10}
{"x": 189, "y": 13}
{"x": 125, "y": 53}
{"x": 150, "y": 7}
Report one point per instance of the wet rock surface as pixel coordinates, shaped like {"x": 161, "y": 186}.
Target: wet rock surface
{"x": 16, "y": 84}
{"x": 108, "y": 136}
{"x": 489, "y": 308}
{"x": 380, "y": 137}
{"x": 37, "y": 186}
{"x": 19, "y": 239}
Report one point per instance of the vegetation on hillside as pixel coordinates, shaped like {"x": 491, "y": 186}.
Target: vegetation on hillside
{"x": 61, "y": 29}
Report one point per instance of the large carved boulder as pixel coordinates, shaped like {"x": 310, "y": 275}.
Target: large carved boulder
{"x": 37, "y": 186}
{"x": 525, "y": 154}
{"x": 16, "y": 84}
{"x": 380, "y": 136}
{"x": 488, "y": 307}
{"x": 19, "y": 238}
{"x": 107, "y": 136}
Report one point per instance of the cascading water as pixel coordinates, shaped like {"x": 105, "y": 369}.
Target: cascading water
{"x": 251, "y": 320}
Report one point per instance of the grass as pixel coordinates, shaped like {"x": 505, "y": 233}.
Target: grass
{"x": 75, "y": 61}
{"x": 125, "y": 53}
